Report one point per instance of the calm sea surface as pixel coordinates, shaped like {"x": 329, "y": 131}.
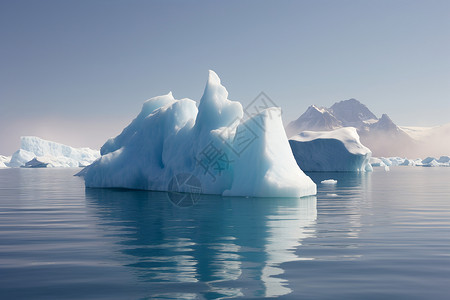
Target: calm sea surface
{"x": 382, "y": 235}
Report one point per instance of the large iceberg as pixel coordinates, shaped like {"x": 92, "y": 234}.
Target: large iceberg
{"x": 337, "y": 150}
{"x": 42, "y": 153}
{"x": 173, "y": 146}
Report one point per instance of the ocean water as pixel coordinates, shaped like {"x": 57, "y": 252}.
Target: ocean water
{"x": 381, "y": 235}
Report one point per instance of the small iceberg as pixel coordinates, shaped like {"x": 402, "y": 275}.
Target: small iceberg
{"x": 329, "y": 181}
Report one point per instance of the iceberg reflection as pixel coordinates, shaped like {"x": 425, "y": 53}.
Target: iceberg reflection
{"x": 221, "y": 247}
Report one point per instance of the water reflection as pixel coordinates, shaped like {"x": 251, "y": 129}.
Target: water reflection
{"x": 221, "y": 247}
{"x": 340, "y": 213}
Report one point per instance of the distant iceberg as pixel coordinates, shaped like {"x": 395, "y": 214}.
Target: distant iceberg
{"x": 36, "y": 152}
{"x": 378, "y": 162}
{"x": 428, "y": 160}
{"x": 443, "y": 161}
{"x": 337, "y": 150}
{"x": 408, "y": 162}
{"x": 35, "y": 163}
{"x": 4, "y": 160}
{"x": 173, "y": 146}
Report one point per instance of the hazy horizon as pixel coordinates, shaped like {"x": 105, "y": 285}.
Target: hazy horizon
{"x": 78, "y": 72}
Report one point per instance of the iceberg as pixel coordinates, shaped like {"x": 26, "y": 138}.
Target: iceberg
{"x": 34, "y": 150}
{"x": 35, "y": 163}
{"x": 337, "y": 150}
{"x": 377, "y": 162}
{"x": 4, "y": 160}
{"x": 396, "y": 161}
{"x": 408, "y": 162}
{"x": 428, "y": 160}
{"x": 386, "y": 161}
{"x": 432, "y": 163}
{"x": 174, "y": 146}
{"x": 444, "y": 159}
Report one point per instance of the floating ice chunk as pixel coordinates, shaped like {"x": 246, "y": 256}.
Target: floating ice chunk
{"x": 337, "y": 150}
{"x": 225, "y": 154}
{"x": 329, "y": 181}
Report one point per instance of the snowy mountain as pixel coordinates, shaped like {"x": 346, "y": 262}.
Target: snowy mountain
{"x": 352, "y": 113}
{"x": 36, "y": 152}
{"x": 314, "y": 118}
{"x": 382, "y": 135}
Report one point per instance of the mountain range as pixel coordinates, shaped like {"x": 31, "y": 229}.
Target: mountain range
{"x": 381, "y": 135}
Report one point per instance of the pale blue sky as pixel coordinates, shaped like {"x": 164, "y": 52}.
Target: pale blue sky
{"x": 78, "y": 71}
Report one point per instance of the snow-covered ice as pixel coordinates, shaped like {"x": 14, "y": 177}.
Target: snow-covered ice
{"x": 224, "y": 153}
{"x": 337, "y": 150}
{"x": 52, "y": 154}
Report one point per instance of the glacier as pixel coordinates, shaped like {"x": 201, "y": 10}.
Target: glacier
{"x": 37, "y": 152}
{"x": 337, "y": 150}
{"x": 174, "y": 146}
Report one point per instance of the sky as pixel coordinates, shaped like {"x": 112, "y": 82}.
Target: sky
{"x": 77, "y": 72}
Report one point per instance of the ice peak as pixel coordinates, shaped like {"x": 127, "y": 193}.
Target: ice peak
{"x": 215, "y": 109}
{"x": 213, "y": 78}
